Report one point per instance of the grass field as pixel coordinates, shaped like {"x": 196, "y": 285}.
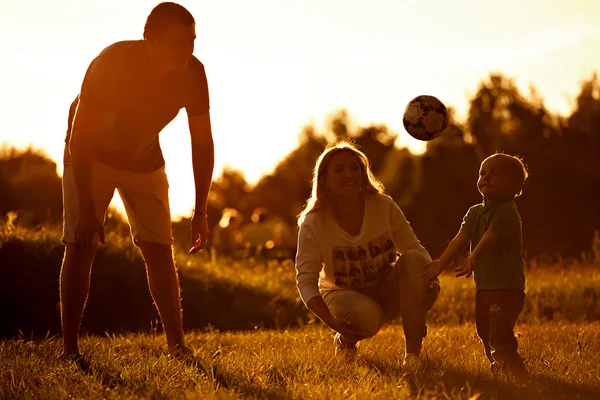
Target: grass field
{"x": 253, "y": 338}
{"x": 300, "y": 363}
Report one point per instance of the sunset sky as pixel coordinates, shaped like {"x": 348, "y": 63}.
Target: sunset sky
{"x": 274, "y": 66}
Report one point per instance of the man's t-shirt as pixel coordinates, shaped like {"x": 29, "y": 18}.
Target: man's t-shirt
{"x": 501, "y": 266}
{"x": 134, "y": 106}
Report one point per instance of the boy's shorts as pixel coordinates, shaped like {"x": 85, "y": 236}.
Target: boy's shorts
{"x": 145, "y": 197}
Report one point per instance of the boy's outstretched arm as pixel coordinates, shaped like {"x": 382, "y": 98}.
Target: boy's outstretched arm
{"x": 456, "y": 245}
{"x": 487, "y": 241}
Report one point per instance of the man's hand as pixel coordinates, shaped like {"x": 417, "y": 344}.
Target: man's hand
{"x": 199, "y": 232}
{"x": 432, "y": 270}
{"x": 88, "y": 226}
{"x": 466, "y": 268}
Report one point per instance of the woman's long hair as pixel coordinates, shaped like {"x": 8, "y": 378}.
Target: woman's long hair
{"x": 320, "y": 198}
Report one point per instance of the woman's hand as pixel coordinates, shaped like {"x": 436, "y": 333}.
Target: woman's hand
{"x": 432, "y": 270}
{"x": 433, "y": 290}
{"x": 345, "y": 328}
{"x": 342, "y": 325}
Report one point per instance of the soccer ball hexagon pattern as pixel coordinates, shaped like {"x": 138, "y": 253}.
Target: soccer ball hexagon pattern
{"x": 425, "y": 117}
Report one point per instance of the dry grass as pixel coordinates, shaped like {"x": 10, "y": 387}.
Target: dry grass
{"x": 300, "y": 363}
{"x": 559, "y": 334}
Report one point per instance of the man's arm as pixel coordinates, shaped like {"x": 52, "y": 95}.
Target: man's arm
{"x": 203, "y": 161}
{"x": 82, "y": 137}
{"x": 84, "y": 130}
{"x": 98, "y": 92}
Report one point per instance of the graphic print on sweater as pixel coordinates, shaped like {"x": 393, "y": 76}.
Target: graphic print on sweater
{"x": 359, "y": 265}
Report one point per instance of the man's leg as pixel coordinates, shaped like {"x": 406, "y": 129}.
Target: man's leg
{"x": 146, "y": 201}
{"x": 74, "y": 289}
{"x": 77, "y": 263}
{"x": 164, "y": 287}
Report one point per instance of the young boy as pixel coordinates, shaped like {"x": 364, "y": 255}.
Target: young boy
{"x": 494, "y": 230}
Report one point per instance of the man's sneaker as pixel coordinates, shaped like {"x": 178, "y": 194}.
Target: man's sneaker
{"x": 185, "y": 355}
{"x": 343, "y": 351}
{"x": 412, "y": 363}
{"x": 517, "y": 373}
{"x": 181, "y": 352}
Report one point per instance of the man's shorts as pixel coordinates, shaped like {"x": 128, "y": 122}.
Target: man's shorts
{"x": 145, "y": 196}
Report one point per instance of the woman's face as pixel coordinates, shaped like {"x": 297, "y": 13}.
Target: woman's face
{"x": 344, "y": 175}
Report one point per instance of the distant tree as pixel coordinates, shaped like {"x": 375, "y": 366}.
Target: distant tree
{"x": 285, "y": 191}
{"x": 558, "y": 210}
{"x": 377, "y": 142}
{"x": 230, "y": 190}
{"x": 580, "y": 167}
{"x": 447, "y": 174}
{"x": 30, "y": 184}
{"x": 584, "y": 123}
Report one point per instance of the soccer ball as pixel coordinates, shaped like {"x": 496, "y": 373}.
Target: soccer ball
{"x": 425, "y": 117}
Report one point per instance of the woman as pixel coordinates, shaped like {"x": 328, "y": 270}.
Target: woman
{"x": 359, "y": 263}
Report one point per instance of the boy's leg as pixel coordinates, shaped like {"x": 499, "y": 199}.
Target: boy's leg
{"x": 482, "y": 321}
{"x": 146, "y": 201}
{"x": 77, "y": 263}
{"x": 504, "y": 312}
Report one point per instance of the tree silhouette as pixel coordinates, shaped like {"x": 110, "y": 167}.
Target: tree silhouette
{"x": 559, "y": 206}
{"x": 30, "y": 185}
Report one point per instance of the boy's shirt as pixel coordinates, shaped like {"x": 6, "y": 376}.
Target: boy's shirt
{"x": 501, "y": 266}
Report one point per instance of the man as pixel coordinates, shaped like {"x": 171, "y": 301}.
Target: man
{"x": 130, "y": 92}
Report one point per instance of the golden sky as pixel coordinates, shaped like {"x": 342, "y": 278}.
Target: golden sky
{"x": 274, "y": 66}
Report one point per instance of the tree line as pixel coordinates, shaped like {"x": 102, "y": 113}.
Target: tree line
{"x": 559, "y": 206}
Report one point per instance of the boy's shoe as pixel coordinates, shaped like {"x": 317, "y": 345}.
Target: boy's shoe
{"x": 412, "y": 363}
{"x": 343, "y": 351}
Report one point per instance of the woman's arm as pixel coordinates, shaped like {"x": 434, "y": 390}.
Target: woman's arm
{"x": 309, "y": 262}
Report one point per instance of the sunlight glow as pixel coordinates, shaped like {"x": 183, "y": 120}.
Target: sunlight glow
{"x": 274, "y": 67}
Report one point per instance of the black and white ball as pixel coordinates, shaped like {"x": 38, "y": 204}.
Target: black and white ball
{"x": 425, "y": 117}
